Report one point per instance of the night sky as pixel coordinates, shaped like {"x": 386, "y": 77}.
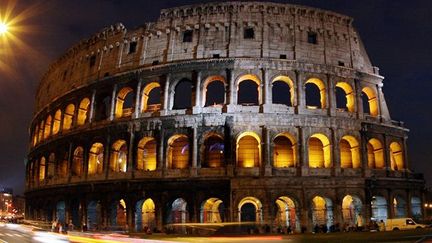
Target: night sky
{"x": 397, "y": 35}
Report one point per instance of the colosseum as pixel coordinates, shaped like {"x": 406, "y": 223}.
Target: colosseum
{"x": 219, "y": 112}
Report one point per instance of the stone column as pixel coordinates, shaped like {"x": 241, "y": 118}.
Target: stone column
{"x": 387, "y": 162}
{"x": 138, "y": 98}
{"x": 232, "y": 101}
{"x": 267, "y": 92}
{"x": 358, "y": 98}
{"x": 70, "y": 161}
{"x": 107, "y": 151}
{"x": 166, "y": 95}
{"x": 267, "y": 154}
{"x": 194, "y": 151}
{"x": 301, "y": 93}
{"x": 197, "y": 106}
{"x": 405, "y": 154}
{"x": 161, "y": 140}
{"x": 113, "y": 102}
{"x": 335, "y": 152}
{"x": 379, "y": 97}
{"x": 131, "y": 152}
{"x": 92, "y": 106}
{"x": 331, "y": 94}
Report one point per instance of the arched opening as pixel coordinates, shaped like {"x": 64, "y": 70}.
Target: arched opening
{"x": 61, "y": 212}
{"x": 315, "y": 94}
{"x": 351, "y": 209}
{"x": 96, "y": 159}
{"x": 399, "y": 207}
{"x": 319, "y": 151}
{"x": 283, "y": 91}
{"x": 212, "y": 211}
{"x": 375, "y": 154}
{"x": 94, "y": 215}
{"x": 56, "y": 123}
{"x": 47, "y": 129}
{"x": 78, "y": 161}
{"x": 248, "y": 150}
{"x": 124, "y": 103}
{"x": 248, "y": 90}
{"x": 62, "y": 168}
{"x": 178, "y": 152}
{"x": 183, "y": 94}
{"x": 41, "y": 131}
{"x": 250, "y": 210}
{"x": 349, "y": 152}
{"x": 214, "y": 152}
{"x": 284, "y": 152}
{"x": 416, "y": 210}
{"x": 370, "y": 101}
{"x": 51, "y": 166}
{"x": 396, "y": 156}
{"x": 103, "y": 107}
{"x": 379, "y": 208}
{"x": 345, "y": 99}
{"x": 286, "y": 215}
{"x": 145, "y": 216}
{"x": 119, "y": 156}
{"x": 151, "y": 97}
{"x": 214, "y": 91}
{"x": 178, "y": 213}
{"x": 83, "y": 110}
{"x": 118, "y": 213}
{"x": 42, "y": 164}
{"x": 322, "y": 213}
{"x": 68, "y": 117}
{"x": 146, "y": 154}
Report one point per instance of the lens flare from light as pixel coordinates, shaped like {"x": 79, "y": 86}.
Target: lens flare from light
{"x": 3, "y": 28}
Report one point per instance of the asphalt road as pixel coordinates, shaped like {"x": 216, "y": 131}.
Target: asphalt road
{"x": 11, "y": 236}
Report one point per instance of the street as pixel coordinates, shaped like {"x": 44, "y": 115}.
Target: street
{"x": 10, "y": 235}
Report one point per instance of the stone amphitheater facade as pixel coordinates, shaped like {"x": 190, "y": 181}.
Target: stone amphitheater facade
{"x": 220, "y": 112}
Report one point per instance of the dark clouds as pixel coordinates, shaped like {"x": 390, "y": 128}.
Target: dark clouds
{"x": 397, "y": 36}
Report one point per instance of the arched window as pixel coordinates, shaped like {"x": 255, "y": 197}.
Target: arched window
{"x": 250, "y": 210}
{"x": 212, "y": 211}
{"x": 178, "y": 212}
{"x": 83, "y": 111}
{"x": 62, "y": 168}
{"x": 68, "y": 117}
{"x": 47, "y": 129}
{"x": 370, "y": 101}
{"x": 416, "y": 208}
{"x": 283, "y": 91}
{"x": 345, "y": 97}
{"x": 315, "y": 94}
{"x": 124, "y": 103}
{"x": 96, "y": 159}
{"x": 284, "y": 151}
{"x": 41, "y": 131}
{"x": 379, "y": 208}
{"x": 42, "y": 163}
{"x": 78, "y": 161}
{"x": 399, "y": 207}
{"x": 118, "y": 213}
{"x": 146, "y": 154}
{"x": 214, "y": 91}
{"x": 248, "y": 150}
{"x": 351, "y": 209}
{"x": 178, "y": 152}
{"x": 349, "y": 152}
{"x": 57, "y": 121}
{"x": 214, "y": 152}
{"x": 322, "y": 213}
{"x": 375, "y": 154}
{"x": 145, "y": 215}
{"x": 51, "y": 166}
{"x": 396, "y": 156}
{"x": 319, "y": 151}
{"x": 151, "y": 97}
{"x": 287, "y": 214}
{"x": 119, "y": 156}
{"x": 183, "y": 94}
{"x": 248, "y": 90}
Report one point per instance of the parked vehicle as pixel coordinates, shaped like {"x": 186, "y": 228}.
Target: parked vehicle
{"x": 403, "y": 224}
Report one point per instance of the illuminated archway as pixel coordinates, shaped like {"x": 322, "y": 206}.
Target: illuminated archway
{"x": 118, "y": 213}
{"x": 375, "y": 154}
{"x": 212, "y": 211}
{"x": 119, "y": 156}
{"x": 283, "y": 94}
{"x": 379, "y": 208}
{"x": 319, "y": 151}
{"x": 51, "y": 166}
{"x": 287, "y": 215}
{"x": 178, "y": 152}
{"x": 371, "y": 106}
{"x": 214, "y": 147}
{"x": 41, "y": 131}
{"x": 248, "y": 150}
{"x": 83, "y": 110}
{"x": 178, "y": 212}
{"x": 396, "y": 156}
{"x": 146, "y": 154}
{"x": 124, "y": 103}
{"x": 151, "y": 96}
{"x": 47, "y": 129}
{"x": 68, "y": 117}
{"x": 57, "y": 121}
{"x": 284, "y": 151}
{"x": 145, "y": 215}
{"x": 311, "y": 99}
{"x": 214, "y": 91}
{"x": 96, "y": 159}
{"x": 42, "y": 164}
{"x": 250, "y": 210}
{"x": 78, "y": 161}
{"x": 94, "y": 215}
{"x": 416, "y": 209}
{"x": 351, "y": 209}
{"x": 248, "y": 90}
{"x": 349, "y": 97}
{"x": 349, "y": 152}
{"x": 322, "y": 213}
{"x": 62, "y": 168}
{"x": 399, "y": 207}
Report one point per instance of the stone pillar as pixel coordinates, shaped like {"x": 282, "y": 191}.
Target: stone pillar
{"x": 405, "y": 155}
{"x": 113, "y": 102}
{"x": 70, "y": 156}
{"x": 107, "y": 151}
{"x": 331, "y": 94}
{"x": 160, "y": 152}
{"x": 131, "y": 151}
{"x": 166, "y": 95}
{"x": 232, "y": 91}
{"x": 138, "y": 100}
{"x": 303, "y": 150}
{"x": 92, "y": 106}
{"x": 130, "y": 213}
{"x": 387, "y": 162}
{"x": 194, "y": 151}
{"x": 379, "y": 97}
{"x": 267, "y": 92}
{"x": 267, "y": 154}
{"x": 197, "y": 106}
{"x": 301, "y": 93}
{"x": 335, "y": 152}
{"x": 358, "y": 98}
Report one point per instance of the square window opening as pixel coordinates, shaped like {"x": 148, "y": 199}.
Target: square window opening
{"x": 187, "y": 36}
{"x": 132, "y": 47}
{"x": 282, "y": 56}
{"x": 249, "y": 33}
{"x": 312, "y": 38}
